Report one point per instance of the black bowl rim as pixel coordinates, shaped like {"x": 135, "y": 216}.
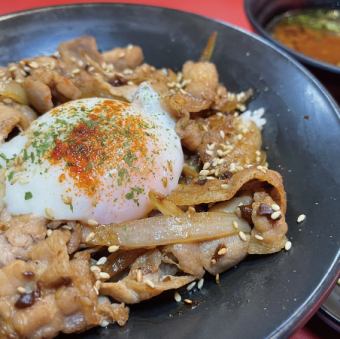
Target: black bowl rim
{"x": 322, "y": 290}
{"x": 301, "y": 57}
{"x": 330, "y": 319}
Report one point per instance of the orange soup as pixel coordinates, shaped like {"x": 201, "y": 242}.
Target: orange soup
{"x": 315, "y": 33}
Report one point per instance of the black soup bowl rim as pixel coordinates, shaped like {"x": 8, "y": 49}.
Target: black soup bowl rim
{"x": 300, "y": 56}
{"x": 310, "y": 305}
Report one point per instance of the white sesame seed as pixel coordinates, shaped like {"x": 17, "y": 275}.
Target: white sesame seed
{"x": 213, "y": 261}
{"x": 210, "y": 178}
{"x": 259, "y": 237}
{"x": 220, "y": 153}
{"x": 89, "y": 237}
{"x": 204, "y": 172}
{"x": 49, "y": 233}
{"x": 92, "y": 222}
{"x": 225, "y": 186}
{"x": 217, "y": 278}
{"x": 222, "y": 134}
{"x": 220, "y": 161}
{"x": 301, "y": 218}
{"x": 206, "y": 165}
{"x": 75, "y": 71}
{"x": 242, "y": 108}
{"x": 191, "y": 286}
{"x": 177, "y": 297}
{"x": 275, "y": 207}
{"x": 240, "y": 96}
{"x": 113, "y": 248}
{"x": 235, "y": 224}
{"x": 262, "y": 169}
{"x": 191, "y": 209}
{"x": 211, "y": 153}
{"x": 127, "y": 71}
{"x": 227, "y": 151}
{"x": 211, "y": 146}
{"x": 188, "y": 301}
{"x": 232, "y": 167}
{"x": 139, "y": 276}
{"x": 275, "y": 215}
{"x": 21, "y": 290}
{"x": 238, "y": 212}
{"x": 95, "y": 269}
{"x": 33, "y": 64}
{"x": 104, "y": 275}
{"x": 242, "y": 236}
{"x": 186, "y": 82}
{"x": 205, "y": 128}
{"x": 49, "y": 213}
{"x": 288, "y": 245}
{"x": 104, "y": 323}
{"x": 219, "y": 114}
{"x": 222, "y": 251}
{"x": 239, "y": 136}
{"x": 66, "y": 199}
{"x": 149, "y": 283}
{"x": 12, "y": 68}
{"x": 338, "y": 282}
{"x": 96, "y": 290}
{"x": 7, "y": 100}
{"x": 258, "y": 152}
{"x": 97, "y": 284}
{"x": 200, "y": 283}
{"x": 102, "y": 261}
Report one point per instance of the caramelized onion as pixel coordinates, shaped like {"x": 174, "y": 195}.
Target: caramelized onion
{"x": 164, "y": 205}
{"x": 166, "y": 230}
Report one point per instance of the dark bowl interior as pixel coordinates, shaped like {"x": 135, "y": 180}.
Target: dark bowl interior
{"x": 261, "y": 12}
{"x": 267, "y": 296}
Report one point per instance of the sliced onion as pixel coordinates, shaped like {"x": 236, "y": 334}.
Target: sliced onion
{"x": 209, "y": 48}
{"x": 164, "y": 205}
{"x": 165, "y": 230}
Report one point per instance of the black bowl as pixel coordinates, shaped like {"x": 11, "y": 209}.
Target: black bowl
{"x": 261, "y": 12}
{"x": 266, "y": 296}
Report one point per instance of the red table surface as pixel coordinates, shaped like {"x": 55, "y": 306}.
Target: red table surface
{"x": 230, "y": 11}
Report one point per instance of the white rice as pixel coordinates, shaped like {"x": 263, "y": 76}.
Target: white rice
{"x": 255, "y": 116}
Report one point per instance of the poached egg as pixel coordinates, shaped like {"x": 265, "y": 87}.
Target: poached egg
{"x": 93, "y": 159}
